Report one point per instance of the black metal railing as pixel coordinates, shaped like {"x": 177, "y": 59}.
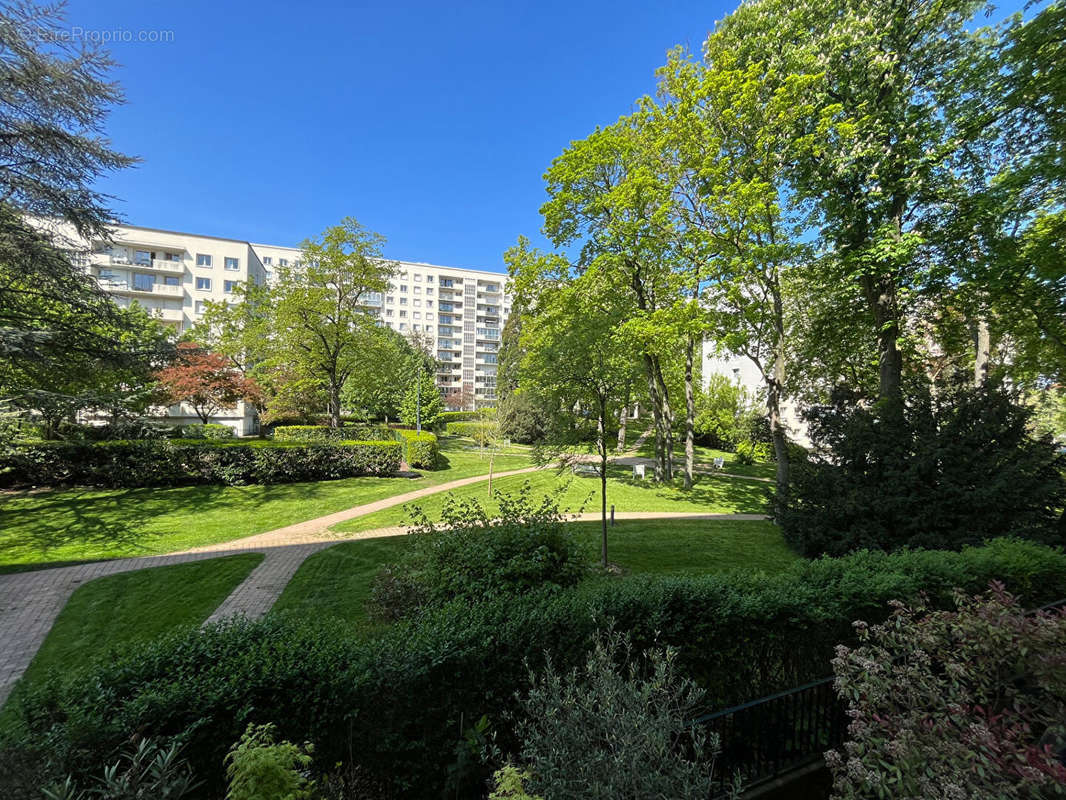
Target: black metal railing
{"x": 766, "y": 738}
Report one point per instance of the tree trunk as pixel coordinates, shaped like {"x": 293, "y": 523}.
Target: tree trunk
{"x": 881, "y": 297}
{"x": 656, "y": 413}
{"x": 690, "y": 412}
{"x": 602, "y": 444}
{"x": 667, "y": 415}
{"x": 775, "y": 391}
{"x": 623, "y": 420}
{"x": 334, "y": 404}
{"x": 982, "y": 354}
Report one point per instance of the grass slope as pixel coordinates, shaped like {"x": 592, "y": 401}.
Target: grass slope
{"x": 109, "y": 613}
{"x": 336, "y": 581}
{"x": 710, "y": 494}
{"x": 48, "y": 528}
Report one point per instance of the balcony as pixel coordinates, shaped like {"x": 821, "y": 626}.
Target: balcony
{"x": 123, "y": 287}
{"x": 164, "y": 265}
{"x": 168, "y": 314}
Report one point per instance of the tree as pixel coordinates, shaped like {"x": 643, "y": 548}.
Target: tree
{"x": 391, "y": 363}
{"x": 205, "y": 381}
{"x": 575, "y": 353}
{"x": 319, "y": 322}
{"x": 422, "y": 402}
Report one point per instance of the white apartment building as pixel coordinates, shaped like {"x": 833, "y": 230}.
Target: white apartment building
{"x": 459, "y": 312}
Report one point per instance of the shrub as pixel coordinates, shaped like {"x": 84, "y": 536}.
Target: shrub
{"x": 616, "y": 727}
{"x": 420, "y": 449}
{"x": 324, "y": 434}
{"x": 258, "y": 768}
{"x": 146, "y": 770}
{"x": 509, "y": 784}
{"x": 522, "y": 419}
{"x": 471, "y": 429}
{"x": 524, "y": 547}
{"x": 954, "y": 704}
{"x": 942, "y": 472}
{"x": 388, "y": 704}
{"x": 218, "y": 432}
{"x": 182, "y": 462}
{"x": 462, "y": 416}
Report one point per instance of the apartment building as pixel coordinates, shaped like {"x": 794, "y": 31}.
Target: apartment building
{"x": 459, "y": 313}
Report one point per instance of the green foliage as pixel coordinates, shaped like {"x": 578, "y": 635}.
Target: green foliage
{"x": 420, "y": 450}
{"x": 522, "y": 418}
{"x": 509, "y": 784}
{"x": 738, "y": 636}
{"x": 324, "y": 433}
{"x": 618, "y": 726}
{"x": 460, "y": 416}
{"x": 946, "y": 470}
{"x": 749, "y": 453}
{"x": 474, "y": 430}
{"x": 391, "y": 364}
{"x": 212, "y": 431}
{"x": 146, "y": 770}
{"x": 953, "y": 704}
{"x": 525, "y": 547}
{"x": 424, "y": 396}
{"x": 260, "y": 768}
{"x": 155, "y": 462}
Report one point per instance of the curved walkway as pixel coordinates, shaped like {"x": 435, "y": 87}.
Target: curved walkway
{"x": 31, "y": 601}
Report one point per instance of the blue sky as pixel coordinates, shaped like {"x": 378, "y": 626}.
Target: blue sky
{"x": 430, "y": 122}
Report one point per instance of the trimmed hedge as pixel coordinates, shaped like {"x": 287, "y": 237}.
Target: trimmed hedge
{"x": 209, "y": 431}
{"x": 471, "y": 429}
{"x": 392, "y": 701}
{"x": 420, "y": 449}
{"x": 324, "y": 434}
{"x": 462, "y": 416}
{"x": 176, "y": 462}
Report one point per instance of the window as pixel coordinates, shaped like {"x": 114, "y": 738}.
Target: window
{"x": 403, "y": 326}
{"x": 416, "y": 327}
{"x": 199, "y": 306}
{"x": 203, "y": 260}
{"x": 429, "y": 290}
{"x": 172, "y": 280}
{"x": 143, "y": 283}
{"x": 388, "y": 312}
{"x": 403, "y": 301}
{"x": 229, "y": 286}
{"x": 283, "y": 262}
{"x": 403, "y": 288}
{"x": 203, "y": 284}
{"x": 429, "y": 316}
{"x": 142, "y": 257}
{"x": 418, "y": 303}
{"x": 418, "y": 279}
{"x": 267, "y": 261}
{"x": 429, "y": 279}
{"x": 417, "y": 315}
{"x": 418, "y": 290}
{"x": 232, "y": 264}
{"x": 429, "y": 304}
{"x": 403, "y": 314}
{"x": 390, "y": 299}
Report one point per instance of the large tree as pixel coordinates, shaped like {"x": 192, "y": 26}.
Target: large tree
{"x": 319, "y": 319}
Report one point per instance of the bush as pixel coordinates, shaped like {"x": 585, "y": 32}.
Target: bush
{"x": 616, "y": 727}
{"x": 389, "y": 703}
{"x": 218, "y": 432}
{"x": 522, "y": 419}
{"x": 420, "y": 450}
{"x": 123, "y": 464}
{"x": 462, "y": 416}
{"x": 954, "y": 704}
{"x": 259, "y": 768}
{"x": 753, "y": 453}
{"x": 942, "y": 472}
{"x": 524, "y": 547}
{"x": 323, "y": 433}
{"x": 146, "y": 770}
{"x": 473, "y": 430}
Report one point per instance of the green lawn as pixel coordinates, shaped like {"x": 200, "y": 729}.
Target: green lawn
{"x": 48, "y": 528}
{"x": 709, "y": 494}
{"x": 107, "y": 614}
{"x": 336, "y": 581}
{"x": 706, "y": 455}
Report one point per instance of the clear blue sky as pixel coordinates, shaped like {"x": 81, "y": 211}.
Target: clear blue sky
{"x": 430, "y": 122}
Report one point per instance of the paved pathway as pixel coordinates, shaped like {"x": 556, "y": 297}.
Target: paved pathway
{"x": 30, "y": 601}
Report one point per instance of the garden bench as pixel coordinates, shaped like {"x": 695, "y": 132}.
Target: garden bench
{"x": 718, "y": 463}
{"x": 587, "y": 469}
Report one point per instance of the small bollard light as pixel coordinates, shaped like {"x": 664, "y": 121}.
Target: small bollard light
{"x": 612, "y": 515}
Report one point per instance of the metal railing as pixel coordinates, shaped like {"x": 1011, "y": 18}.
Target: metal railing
{"x": 766, "y": 738}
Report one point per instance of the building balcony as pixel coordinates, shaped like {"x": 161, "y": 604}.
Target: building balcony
{"x": 123, "y": 287}
{"x": 168, "y": 314}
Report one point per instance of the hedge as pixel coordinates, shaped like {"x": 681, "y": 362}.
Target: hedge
{"x": 209, "y": 431}
{"x": 325, "y": 434}
{"x": 420, "y": 449}
{"x": 393, "y": 701}
{"x": 176, "y": 462}
{"x": 471, "y": 429}
{"x": 463, "y": 416}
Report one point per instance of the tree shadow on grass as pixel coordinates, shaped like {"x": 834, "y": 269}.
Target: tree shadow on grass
{"x": 747, "y": 497}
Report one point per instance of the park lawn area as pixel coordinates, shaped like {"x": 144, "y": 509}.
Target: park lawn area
{"x": 336, "y": 581}
{"x": 706, "y": 456}
{"x": 107, "y": 614}
{"x": 49, "y": 528}
{"x": 710, "y": 494}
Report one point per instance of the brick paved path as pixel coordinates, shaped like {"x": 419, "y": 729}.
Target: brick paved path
{"x": 30, "y": 601}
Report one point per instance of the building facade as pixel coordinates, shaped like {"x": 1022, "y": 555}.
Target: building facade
{"x": 459, "y": 313}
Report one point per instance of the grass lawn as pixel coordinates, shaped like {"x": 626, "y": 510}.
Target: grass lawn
{"x": 709, "y": 494}
{"x": 48, "y": 528}
{"x": 336, "y": 581}
{"x": 107, "y": 614}
{"x": 706, "y": 455}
